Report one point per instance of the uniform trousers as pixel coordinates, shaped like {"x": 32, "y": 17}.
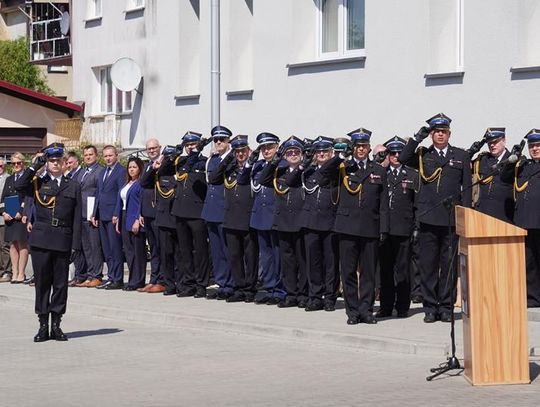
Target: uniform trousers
{"x": 416, "y": 281}
{"x": 293, "y": 264}
{"x": 111, "y": 243}
{"x": 358, "y": 291}
{"x": 435, "y": 267}
{"x": 243, "y": 250}
{"x": 171, "y": 274}
{"x": 220, "y": 264}
{"x": 51, "y": 270}
{"x": 135, "y": 252}
{"x": 152, "y": 235}
{"x": 193, "y": 242}
{"x": 91, "y": 247}
{"x": 269, "y": 263}
{"x": 394, "y": 260}
{"x": 532, "y": 258}
{"x": 322, "y": 264}
{"x": 81, "y": 269}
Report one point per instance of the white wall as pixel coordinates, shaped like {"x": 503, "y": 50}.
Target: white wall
{"x": 387, "y": 94}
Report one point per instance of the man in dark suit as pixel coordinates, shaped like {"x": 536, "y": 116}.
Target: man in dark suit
{"x": 109, "y": 184}
{"x": 55, "y": 233}
{"x": 148, "y": 216}
{"x": 361, "y": 220}
{"x": 445, "y": 172}
{"x": 91, "y": 242}
{"x": 495, "y": 190}
{"x": 395, "y": 251}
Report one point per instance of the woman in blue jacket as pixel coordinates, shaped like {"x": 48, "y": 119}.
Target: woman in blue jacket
{"x": 127, "y": 212}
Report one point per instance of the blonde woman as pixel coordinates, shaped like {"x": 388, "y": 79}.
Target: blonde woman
{"x": 15, "y": 224}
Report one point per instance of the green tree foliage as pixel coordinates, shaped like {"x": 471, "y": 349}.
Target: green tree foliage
{"x": 15, "y": 68}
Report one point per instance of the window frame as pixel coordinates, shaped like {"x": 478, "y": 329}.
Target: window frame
{"x": 124, "y": 110}
{"x": 343, "y": 38}
{"x": 92, "y": 13}
{"x": 132, "y": 5}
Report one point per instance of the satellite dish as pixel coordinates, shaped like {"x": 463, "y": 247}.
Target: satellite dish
{"x": 126, "y": 74}
{"x": 64, "y": 23}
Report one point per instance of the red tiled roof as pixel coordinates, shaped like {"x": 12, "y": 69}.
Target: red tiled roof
{"x": 41, "y": 99}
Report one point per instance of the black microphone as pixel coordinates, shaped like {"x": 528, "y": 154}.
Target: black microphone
{"x": 510, "y": 160}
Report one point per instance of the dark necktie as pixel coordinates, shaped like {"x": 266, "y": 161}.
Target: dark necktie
{"x": 86, "y": 172}
{"x": 395, "y": 172}
{"x": 361, "y": 165}
{"x": 441, "y": 153}
{"x": 107, "y": 173}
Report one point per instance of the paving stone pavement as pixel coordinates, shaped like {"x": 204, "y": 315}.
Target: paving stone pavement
{"x": 119, "y": 363}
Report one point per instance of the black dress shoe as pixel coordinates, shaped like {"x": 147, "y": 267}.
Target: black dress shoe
{"x": 212, "y": 295}
{"x": 262, "y": 300}
{"x": 302, "y": 303}
{"x": 170, "y": 291}
{"x": 314, "y": 306}
{"x": 367, "y": 319}
{"x": 403, "y": 314}
{"x": 249, "y": 298}
{"x": 103, "y": 285}
{"x": 200, "y": 293}
{"x": 288, "y": 303}
{"x": 129, "y": 288}
{"x": 352, "y": 321}
{"x": 273, "y": 301}
{"x": 445, "y": 317}
{"x": 115, "y": 286}
{"x": 43, "y": 332}
{"x": 56, "y": 332}
{"x": 417, "y": 299}
{"x": 430, "y": 317}
{"x": 223, "y": 295}
{"x": 383, "y": 313}
{"x": 329, "y": 306}
{"x": 186, "y": 292}
{"x": 236, "y": 297}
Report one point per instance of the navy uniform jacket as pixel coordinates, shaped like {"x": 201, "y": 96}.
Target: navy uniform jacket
{"x": 148, "y": 197}
{"x": 288, "y": 205}
{"x": 262, "y": 213}
{"x": 363, "y": 214}
{"x": 165, "y": 198}
{"x": 214, "y": 204}
{"x": 9, "y": 190}
{"x": 191, "y": 188}
{"x": 527, "y": 213}
{"x": 238, "y": 195}
{"x": 401, "y": 199}
{"x": 107, "y": 192}
{"x": 320, "y": 197}
{"x": 455, "y": 177}
{"x": 56, "y": 228}
{"x": 496, "y": 197}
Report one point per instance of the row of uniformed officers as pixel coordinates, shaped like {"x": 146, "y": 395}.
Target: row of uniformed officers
{"x": 281, "y": 224}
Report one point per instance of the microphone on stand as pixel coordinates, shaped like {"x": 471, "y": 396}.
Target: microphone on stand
{"x": 510, "y": 160}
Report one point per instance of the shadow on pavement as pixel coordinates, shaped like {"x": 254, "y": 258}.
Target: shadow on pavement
{"x": 95, "y": 332}
{"x": 534, "y": 370}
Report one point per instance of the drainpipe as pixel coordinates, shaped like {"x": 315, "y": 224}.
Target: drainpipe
{"x": 214, "y": 70}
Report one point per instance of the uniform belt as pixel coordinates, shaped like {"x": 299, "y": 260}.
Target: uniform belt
{"x": 57, "y": 222}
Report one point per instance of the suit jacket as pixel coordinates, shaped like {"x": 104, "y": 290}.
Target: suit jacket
{"x": 496, "y": 198}
{"x": 238, "y": 196}
{"x": 57, "y": 228}
{"x": 526, "y": 214}
{"x": 288, "y": 205}
{"x": 148, "y": 197}
{"x": 88, "y": 179}
{"x": 107, "y": 192}
{"x": 10, "y": 190}
{"x": 401, "y": 200}
{"x": 262, "y": 212}
{"x": 320, "y": 197}
{"x": 363, "y": 214}
{"x": 214, "y": 203}
{"x": 454, "y": 181}
{"x": 150, "y": 180}
{"x": 190, "y": 192}
{"x": 133, "y": 205}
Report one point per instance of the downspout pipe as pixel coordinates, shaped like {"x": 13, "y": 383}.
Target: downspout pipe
{"x": 215, "y": 63}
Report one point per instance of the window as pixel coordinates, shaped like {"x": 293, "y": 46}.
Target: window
{"x": 135, "y": 4}
{"x": 94, "y": 8}
{"x": 445, "y": 35}
{"x": 112, "y": 100}
{"x": 341, "y": 27}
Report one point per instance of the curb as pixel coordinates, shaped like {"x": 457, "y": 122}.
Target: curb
{"x": 355, "y": 341}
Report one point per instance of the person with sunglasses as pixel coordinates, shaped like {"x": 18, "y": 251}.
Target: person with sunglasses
{"x": 395, "y": 251}
{"x": 283, "y": 176}
{"x": 16, "y": 232}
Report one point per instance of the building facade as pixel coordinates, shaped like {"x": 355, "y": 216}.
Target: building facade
{"x": 308, "y": 67}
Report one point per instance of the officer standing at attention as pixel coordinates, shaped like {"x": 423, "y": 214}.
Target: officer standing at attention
{"x": 55, "y": 237}
{"x": 286, "y": 179}
{"x": 445, "y": 171}
{"x": 495, "y": 190}
{"x": 242, "y": 245}
{"x": 361, "y": 220}
{"x": 395, "y": 251}
{"x": 212, "y": 213}
{"x": 527, "y": 214}
{"x": 262, "y": 219}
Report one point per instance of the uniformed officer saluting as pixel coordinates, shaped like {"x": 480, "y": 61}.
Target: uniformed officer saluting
{"x": 495, "y": 196}
{"x": 395, "y": 251}
{"x": 55, "y": 235}
{"x": 445, "y": 171}
{"x": 527, "y": 213}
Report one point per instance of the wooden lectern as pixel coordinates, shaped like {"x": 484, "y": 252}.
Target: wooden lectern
{"x": 494, "y": 299}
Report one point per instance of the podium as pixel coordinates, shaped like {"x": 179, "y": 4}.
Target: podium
{"x": 494, "y": 299}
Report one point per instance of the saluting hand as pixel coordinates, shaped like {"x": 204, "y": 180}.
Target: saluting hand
{"x": 422, "y": 133}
